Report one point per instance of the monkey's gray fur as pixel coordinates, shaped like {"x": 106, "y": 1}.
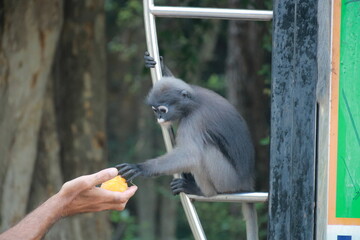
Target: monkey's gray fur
{"x": 213, "y": 142}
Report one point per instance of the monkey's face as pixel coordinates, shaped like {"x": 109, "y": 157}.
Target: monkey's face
{"x": 171, "y": 106}
{"x": 171, "y": 100}
{"x": 162, "y": 114}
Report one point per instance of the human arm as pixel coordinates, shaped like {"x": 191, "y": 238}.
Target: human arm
{"x": 76, "y": 196}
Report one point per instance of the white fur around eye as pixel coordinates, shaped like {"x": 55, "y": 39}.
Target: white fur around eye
{"x": 163, "y": 109}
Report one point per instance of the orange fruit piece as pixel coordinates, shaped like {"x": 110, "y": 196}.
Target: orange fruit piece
{"x": 117, "y": 184}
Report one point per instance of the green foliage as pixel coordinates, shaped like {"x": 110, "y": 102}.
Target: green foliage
{"x": 126, "y": 222}
{"x": 265, "y": 72}
{"x": 127, "y": 15}
{"x": 216, "y": 83}
{"x": 262, "y": 211}
{"x": 265, "y": 141}
{"x": 222, "y": 221}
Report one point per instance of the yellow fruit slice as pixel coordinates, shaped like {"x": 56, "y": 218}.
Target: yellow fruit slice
{"x": 117, "y": 184}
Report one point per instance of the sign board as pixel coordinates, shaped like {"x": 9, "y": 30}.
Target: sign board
{"x": 344, "y": 165}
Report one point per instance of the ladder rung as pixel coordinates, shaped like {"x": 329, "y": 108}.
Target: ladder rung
{"x": 217, "y": 13}
{"x": 236, "y": 197}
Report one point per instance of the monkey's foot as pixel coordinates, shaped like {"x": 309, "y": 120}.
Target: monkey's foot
{"x": 129, "y": 171}
{"x": 179, "y": 185}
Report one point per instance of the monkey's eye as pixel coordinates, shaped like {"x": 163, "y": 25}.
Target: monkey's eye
{"x": 163, "y": 109}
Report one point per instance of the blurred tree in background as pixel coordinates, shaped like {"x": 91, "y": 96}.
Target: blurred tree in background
{"x": 72, "y": 91}
{"x": 52, "y": 98}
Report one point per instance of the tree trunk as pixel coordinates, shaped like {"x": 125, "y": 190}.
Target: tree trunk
{"x": 29, "y": 33}
{"x": 80, "y": 103}
{"x": 47, "y": 177}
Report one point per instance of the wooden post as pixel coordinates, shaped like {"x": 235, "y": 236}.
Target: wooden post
{"x": 293, "y": 120}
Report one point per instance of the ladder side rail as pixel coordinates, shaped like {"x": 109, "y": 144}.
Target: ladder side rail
{"x": 212, "y": 13}
{"x": 152, "y": 45}
{"x": 151, "y": 40}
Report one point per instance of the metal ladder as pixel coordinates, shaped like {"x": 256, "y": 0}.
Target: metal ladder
{"x": 150, "y": 11}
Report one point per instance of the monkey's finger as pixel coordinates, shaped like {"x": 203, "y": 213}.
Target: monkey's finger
{"x": 177, "y": 190}
{"x": 149, "y": 58}
{"x": 149, "y": 61}
{"x": 128, "y": 173}
{"x": 133, "y": 176}
{"x": 124, "y": 167}
{"x": 121, "y": 165}
{"x": 176, "y": 181}
{"x": 150, "y": 65}
{"x": 176, "y": 184}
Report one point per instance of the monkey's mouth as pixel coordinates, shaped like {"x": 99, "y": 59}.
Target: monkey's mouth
{"x": 164, "y": 123}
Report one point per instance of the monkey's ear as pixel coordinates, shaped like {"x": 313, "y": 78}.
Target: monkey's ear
{"x": 185, "y": 93}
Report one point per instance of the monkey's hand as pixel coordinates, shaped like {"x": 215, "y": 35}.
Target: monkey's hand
{"x": 129, "y": 171}
{"x": 187, "y": 186}
{"x": 149, "y": 60}
{"x": 150, "y": 63}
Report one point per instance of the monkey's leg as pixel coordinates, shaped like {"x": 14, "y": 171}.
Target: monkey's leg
{"x": 186, "y": 184}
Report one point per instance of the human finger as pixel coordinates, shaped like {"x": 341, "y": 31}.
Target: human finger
{"x": 128, "y": 193}
{"x": 121, "y": 198}
{"x": 103, "y": 176}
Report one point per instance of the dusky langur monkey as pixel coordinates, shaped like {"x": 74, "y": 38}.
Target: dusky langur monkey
{"x": 213, "y": 142}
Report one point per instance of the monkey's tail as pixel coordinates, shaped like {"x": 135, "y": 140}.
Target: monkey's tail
{"x": 250, "y": 216}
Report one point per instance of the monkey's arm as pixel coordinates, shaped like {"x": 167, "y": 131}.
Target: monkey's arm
{"x": 177, "y": 161}
{"x": 150, "y": 63}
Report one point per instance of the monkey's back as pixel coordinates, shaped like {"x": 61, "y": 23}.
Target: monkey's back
{"x": 225, "y": 142}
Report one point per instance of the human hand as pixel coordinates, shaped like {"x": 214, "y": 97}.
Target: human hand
{"x": 81, "y": 195}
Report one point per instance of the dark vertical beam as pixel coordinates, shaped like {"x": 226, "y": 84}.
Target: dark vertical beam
{"x": 293, "y": 120}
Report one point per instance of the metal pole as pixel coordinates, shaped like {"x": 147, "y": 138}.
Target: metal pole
{"x": 151, "y": 40}
{"x": 152, "y": 44}
{"x": 236, "y": 197}
{"x": 217, "y": 13}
